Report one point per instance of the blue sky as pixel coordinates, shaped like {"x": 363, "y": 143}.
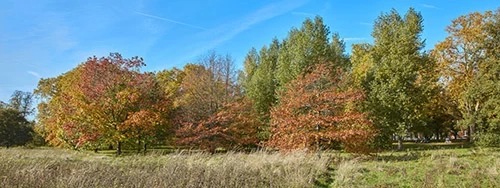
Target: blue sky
{"x": 40, "y": 39}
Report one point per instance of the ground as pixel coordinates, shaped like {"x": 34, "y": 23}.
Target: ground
{"x": 420, "y": 165}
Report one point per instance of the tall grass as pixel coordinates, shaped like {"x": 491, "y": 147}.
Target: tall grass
{"x": 62, "y": 168}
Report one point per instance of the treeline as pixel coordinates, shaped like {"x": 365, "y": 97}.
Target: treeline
{"x": 300, "y": 92}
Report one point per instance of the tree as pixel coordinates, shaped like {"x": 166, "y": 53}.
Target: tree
{"x": 484, "y": 90}
{"x": 22, "y": 101}
{"x": 118, "y": 100}
{"x": 459, "y": 56}
{"x": 206, "y": 87}
{"x": 362, "y": 65}
{"x": 261, "y": 89}
{"x": 55, "y": 107}
{"x": 102, "y": 101}
{"x": 234, "y": 126}
{"x": 170, "y": 81}
{"x": 394, "y": 96}
{"x": 279, "y": 63}
{"x": 15, "y": 130}
{"x": 317, "y": 111}
{"x": 250, "y": 64}
{"x": 200, "y": 96}
{"x": 303, "y": 48}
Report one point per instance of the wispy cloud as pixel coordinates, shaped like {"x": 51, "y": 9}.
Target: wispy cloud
{"x": 169, "y": 20}
{"x": 355, "y": 38}
{"x": 307, "y": 14}
{"x": 35, "y": 74}
{"x": 429, "y": 6}
{"x": 228, "y": 31}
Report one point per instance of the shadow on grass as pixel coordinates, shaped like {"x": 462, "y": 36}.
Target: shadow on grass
{"x": 413, "y": 151}
{"x": 326, "y": 179}
{"x": 438, "y": 145}
{"x": 398, "y": 156}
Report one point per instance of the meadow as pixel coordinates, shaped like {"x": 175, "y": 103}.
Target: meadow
{"x": 421, "y": 165}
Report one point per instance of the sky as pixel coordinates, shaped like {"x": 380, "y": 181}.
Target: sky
{"x": 46, "y": 38}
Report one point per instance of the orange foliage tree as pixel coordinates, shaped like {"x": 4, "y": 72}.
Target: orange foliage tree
{"x": 234, "y": 126}
{"x": 120, "y": 101}
{"x": 103, "y": 101}
{"x": 316, "y": 111}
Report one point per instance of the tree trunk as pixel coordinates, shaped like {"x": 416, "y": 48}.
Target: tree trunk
{"x": 145, "y": 147}
{"x": 96, "y": 150}
{"x": 438, "y": 134}
{"x": 400, "y": 143}
{"x": 118, "y": 148}
{"x": 472, "y": 131}
{"x": 472, "y": 128}
{"x": 139, "y": 146}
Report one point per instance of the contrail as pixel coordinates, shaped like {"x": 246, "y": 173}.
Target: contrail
{"x": 169, "y": 20}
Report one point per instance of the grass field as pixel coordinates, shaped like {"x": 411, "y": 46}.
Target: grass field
{"x": 421, "y": 165}
{"x": 63, "y": 168}
{"x": 467, "y": 167}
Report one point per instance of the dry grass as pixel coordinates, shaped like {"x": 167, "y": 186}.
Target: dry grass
{"x": 62, "y": 168}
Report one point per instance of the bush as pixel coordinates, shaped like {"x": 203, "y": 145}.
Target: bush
{"x": 488, "y": 139}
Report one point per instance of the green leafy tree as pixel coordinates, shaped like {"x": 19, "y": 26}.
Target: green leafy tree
{"x": 302, "y": 49}
{"x": 250, "y": 64}
{"x": 15, "y": 130}
{"x": 394, "y": 96}
{"x": 261, "y": 89}
{"x": 23, "y": 102}
{"x": 362, "y": 65}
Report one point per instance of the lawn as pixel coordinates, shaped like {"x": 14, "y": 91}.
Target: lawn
{"x": 420, "y": 165}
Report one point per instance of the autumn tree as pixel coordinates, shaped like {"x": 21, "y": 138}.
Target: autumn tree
{"x": 484, "y": 90}
{"x": 118, "y": 100}
{"x": 206, "y": 89}
{"x": 206, "y": 86}
{"x": 280, "y": 62}
{"x": 395, "y": 61}
{"x": 459, "y": 56}
{"x": 102, "y": 101}
{"x": 56, "y": 109}
{"x": 234, "y": 126}
{"x": 170, "y": 81}
{"x": 318, "y": 111}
